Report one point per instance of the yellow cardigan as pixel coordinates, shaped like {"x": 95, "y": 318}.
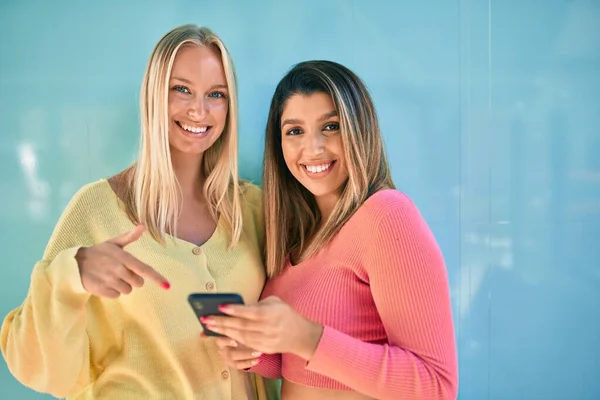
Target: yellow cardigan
{"x": 145, "y": 345}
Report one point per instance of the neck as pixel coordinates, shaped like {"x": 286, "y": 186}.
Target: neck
{"x": 188, "y": 170}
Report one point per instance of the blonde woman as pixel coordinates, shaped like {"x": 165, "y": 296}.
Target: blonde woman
{"x": 357, "y": 305}
{"x": 106, "y": 316}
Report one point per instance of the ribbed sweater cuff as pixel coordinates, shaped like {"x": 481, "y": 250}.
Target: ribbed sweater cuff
{"x": 332, "y": 349}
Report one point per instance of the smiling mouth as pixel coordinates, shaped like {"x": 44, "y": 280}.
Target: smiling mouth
{"x": 195, "y": 130}
{"x": 318, "y": 168}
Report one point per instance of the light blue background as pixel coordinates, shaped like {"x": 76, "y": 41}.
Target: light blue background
{"x": 490, "y": 111}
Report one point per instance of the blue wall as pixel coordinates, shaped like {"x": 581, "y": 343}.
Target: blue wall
{"x": 490, "y": 111}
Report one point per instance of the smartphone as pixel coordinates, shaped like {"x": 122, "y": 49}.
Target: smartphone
{"x": 207, "y": 304}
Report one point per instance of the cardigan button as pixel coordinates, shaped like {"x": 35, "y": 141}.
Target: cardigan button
{"x": 225, "y": 374}
{"x": 210, "y": 286}
{"x": 197, "y": 250}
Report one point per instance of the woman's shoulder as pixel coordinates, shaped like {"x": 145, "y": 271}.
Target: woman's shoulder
{"x": 384, "y": 210}
{"x": 385, "y": 201}
{"x": 94, "y": 193}
{"x": 92, "y": 203}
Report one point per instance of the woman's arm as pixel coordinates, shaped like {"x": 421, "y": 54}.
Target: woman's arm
{"x": 44, "y": 341}
{"x": 269, "y": 366}
{"x": 409, "y": 284}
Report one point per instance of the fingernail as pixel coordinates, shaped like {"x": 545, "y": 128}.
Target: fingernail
{"x": 225, "y": 308}
{"x": 204, "y": 319}
{"x": 256, "y": 354}
{"x": 165, "y": 285}
{"x": 255, "y": 362}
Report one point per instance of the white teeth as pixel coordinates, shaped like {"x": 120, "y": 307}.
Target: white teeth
{"x": 194, "y": 129}
{"x": 317, "y": 168}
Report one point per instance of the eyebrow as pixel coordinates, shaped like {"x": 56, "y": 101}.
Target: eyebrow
{"x": 217, "y": 86}
{"x": 294, "y": 121}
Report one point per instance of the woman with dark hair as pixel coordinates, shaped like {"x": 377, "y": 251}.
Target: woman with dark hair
{"x": 357, "y": 304}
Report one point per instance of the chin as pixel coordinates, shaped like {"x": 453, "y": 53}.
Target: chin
{"x": 195, "y": 147}
{"x": 332, "y": 190}
{"x": 319, "y": 192}
{"x": 189, "y": 150}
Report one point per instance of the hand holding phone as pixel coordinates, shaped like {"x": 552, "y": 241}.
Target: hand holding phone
{"x": 207, "y": 304}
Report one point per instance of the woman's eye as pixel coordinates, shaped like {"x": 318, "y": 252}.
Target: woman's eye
{"x": 181, "y": 89}
{"x": 334, "y": 126}
{"x": 217, "y": 95}
{"x": 293, "y": 132}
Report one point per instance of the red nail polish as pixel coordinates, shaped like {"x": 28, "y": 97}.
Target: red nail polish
{"x": 224, "y": 308}
{"x": 204, "y": 319}
{"x": 166, "y": 285}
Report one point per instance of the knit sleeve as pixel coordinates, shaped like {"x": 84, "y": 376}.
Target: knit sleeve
{"x": 269, "y": 366}
{"x": 44, "y": 340}
{"x": 409, "y": 285}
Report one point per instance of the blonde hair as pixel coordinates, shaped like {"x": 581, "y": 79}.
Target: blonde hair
{"x": 293, "y": 221}
{"x": 154, "y": 194}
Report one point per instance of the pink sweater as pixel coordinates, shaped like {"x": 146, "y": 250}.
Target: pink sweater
{"x": 381, "y": 291}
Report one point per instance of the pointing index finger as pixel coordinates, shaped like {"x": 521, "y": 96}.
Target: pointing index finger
{"x": 143, "y": 270}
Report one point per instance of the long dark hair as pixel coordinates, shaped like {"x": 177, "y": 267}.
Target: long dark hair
{"x": 293, "y": 221}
